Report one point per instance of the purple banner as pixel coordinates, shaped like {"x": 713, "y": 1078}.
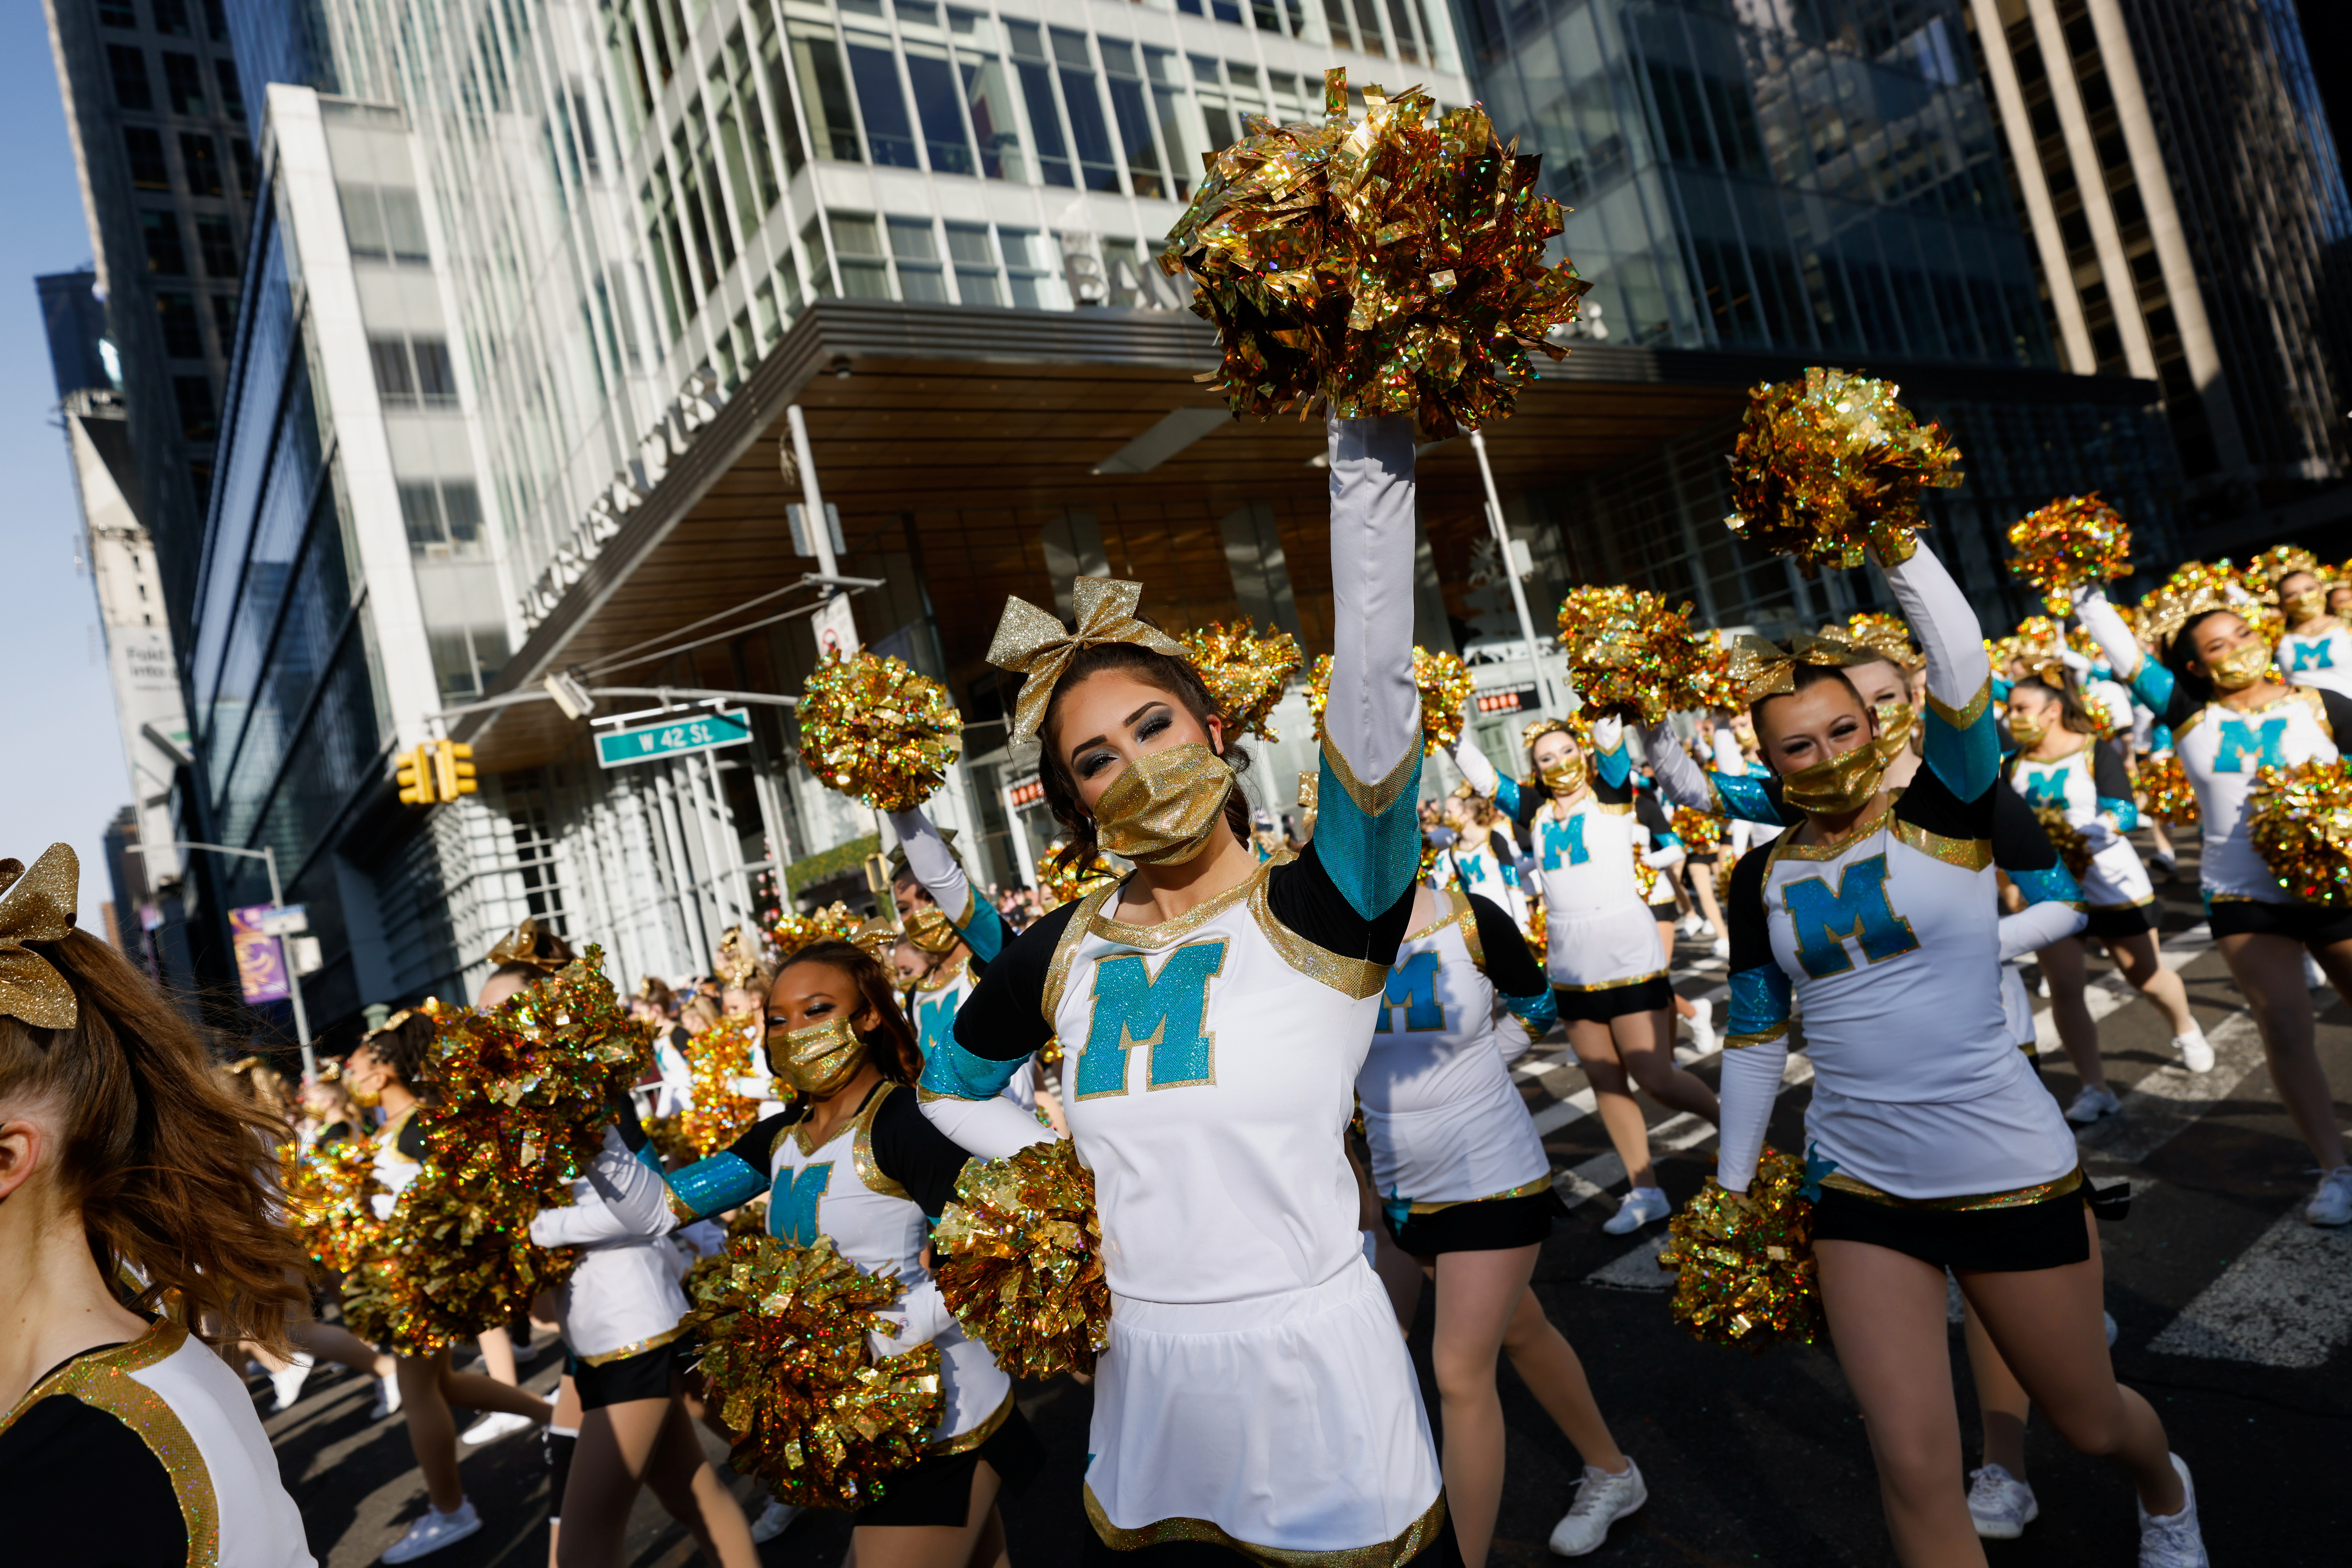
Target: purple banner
{"x": 260, "y": 960}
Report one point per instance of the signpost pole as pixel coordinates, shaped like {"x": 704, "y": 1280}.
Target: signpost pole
{"x": 1511, "y": 569}
{"x": 293, "y": 981}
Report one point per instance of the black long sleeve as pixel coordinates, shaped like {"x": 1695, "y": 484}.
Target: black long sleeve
{"x": 1509, "y": 965}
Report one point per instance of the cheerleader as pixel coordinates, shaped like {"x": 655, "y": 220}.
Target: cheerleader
{"x": 2316, "y": 649}
{"x": 1934, "y": 1142}
{"x": 124, "y": 1168}
{"x": 1720, "y": 749}
{"x": 1659, "y": 857}
{"x": 1255, "y": 1402}
{"x": 2060, "y": 763}
{"x": 1607, "y": 965}
{"x": 388, "y": 1069}
{"x": 1466, "y": 1192}
{"x": 836, "y": 1036}
{"x": 2228, "y": 718}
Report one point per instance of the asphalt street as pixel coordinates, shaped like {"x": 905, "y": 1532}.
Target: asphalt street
{"x": 2235, "y": 1320}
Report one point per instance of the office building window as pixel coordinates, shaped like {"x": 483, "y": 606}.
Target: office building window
{"x": 232, "y": 93}
{"x": 1037, "y": 87}
{"x": 241, "y": 153}
{"x": 824, "y": 94}
{"x": 184, "y": 84}
{"x": 921, "y": 279}
{"x": 936, "y": 100}
{"x": 820, "y": 269}
{"x": 171, "y": 17}
{"x": 444, "y": 519}
{"x": 193, "y": 394}
{"x": 215, "y": 22}
{"x": 889, "y": 135}
{"x": 145, "y": 150}
{"x": 384, "y": 223}
{"x": 1134, "y": 112}
{"x": 128, "y": 65}
{"x": 413, "y": 373}
{"x": 217, "y": 242}
{"x": 117, "y": 14}
{"x": 857, "y": 248}
{"x": 164, "y": 257}
{"x": 975, "y": 264}
{"x": 177, "y": 312}
{"x": 1088, "y": 129}
{"x": 200, "y": 156}
{"x": 200, "y": 480}
{"x": 1025, "y": 265}
{"x": 225, "y": 321}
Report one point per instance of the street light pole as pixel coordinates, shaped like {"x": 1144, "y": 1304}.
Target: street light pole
{"x": 268, "y": 859}
{"x": 1511, "y": 568}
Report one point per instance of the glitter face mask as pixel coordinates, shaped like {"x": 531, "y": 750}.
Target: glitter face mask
{"x": 1898, "y": 725}
{"x": 1844, "y": 782}
{"x": 2301, "y": 607}
{"x": 1161, "y": 810}
{"x": 2240, "y": 669}
{"x": 2025, "y": 729}
{"x": 929, "y": 930}
{"x": 819, "y": 1058}
{"x": 1566, "y": 777}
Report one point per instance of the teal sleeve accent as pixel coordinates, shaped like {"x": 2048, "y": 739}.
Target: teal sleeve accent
{"x": 950, "y": 1070}
{"x": 2001, "y": 687}
{"x": 1667, "y": 840}
{"x": 2053, "y": 885}
{"x": 985, "y": 934}
{"x": 2160, "y": 737}
{"x": 1371, "y": 859}
{"x": 1507, "y": 795}
{"x": 2125, "y": 813}
{"x": 2152, "y": 684}
{"x": 1967, "y": 759}
{"x": 1759, "y": 1006}
{"x": 1614, "y": 768}
{"x": 723, "y": 1182}
{"x": 1538, "y": 1012}
{"x": 650, "y": 1158}
{"x": 1743, "y": 797}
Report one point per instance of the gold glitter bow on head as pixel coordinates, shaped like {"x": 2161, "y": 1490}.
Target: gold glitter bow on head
{"x": 521, "y": 946}
{"x": 38, "y": 906}
{"x": 738, "y": 959}
{"x": 1881, "y": 635}
{"x": 1033, "y": 643}
{"x": 1764, "y": 668}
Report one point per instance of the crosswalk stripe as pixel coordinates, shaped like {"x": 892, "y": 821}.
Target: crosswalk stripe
{"x": 2165, "y": 1103}
{"x": 1637, "y": 1270}
{"x": 2112, "y": 991}
{"x": 2283, "y": 1303}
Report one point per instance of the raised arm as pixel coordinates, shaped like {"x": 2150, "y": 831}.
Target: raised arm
{"x": 935, "y": 866}
{"x": 1482, "y": 776}
{"x": 996, "y": 1030}
{"x": 2148, "y": 680}
{"x": 1756, "y": 1046}
{"x": 1961, "y": 744}
{"x": 1738, "y": 797}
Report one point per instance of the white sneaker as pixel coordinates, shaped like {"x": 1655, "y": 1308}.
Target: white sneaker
{"x": 2042, "y": 987}
{"x": 1642, "y": 1205}
{"x": 773, "y": 1520}
{"x": 1702, "y": 1025}
{"x": 1722, "y": 948}
{"x": 498, "y": 1424}
{"x": 2163, "y": 862}
{"x": 2173, "y": 1541}
{"x": 2094, "y": 1102}
{"x": 289, "y": 1382}
{"x": 2196, "y": 1055}
{"x": 2314, "y": 977}
{"x": 434, "y": 1531}
{"x": 2332, "y": 1204}
{"x": 1999, "y": 1504}
{"x": 1601, "y": 1500}
{"x": 1693, "y": 925}
{"x": 387, "y": 1398}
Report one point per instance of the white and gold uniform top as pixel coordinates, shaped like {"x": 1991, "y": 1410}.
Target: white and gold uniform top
{"x": 1598, "y": 930}
{"x": 933, "y": 1002}
{"x": 171, "y": 1396}
{"x": 2223, "y": 748}
{"x": 2089, "y": 784}
{"x": 1443, "y": 1119}
{"x": 623, "y": 1298}
{"x": 2318, "y": 658}
{"x": 1254, "y": 1393}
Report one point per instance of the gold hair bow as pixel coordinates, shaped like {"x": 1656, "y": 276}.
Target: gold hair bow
{"x": 395, "y": 1022}
{"x": 1874, "y": 632}
{"x": 738, "y": 959}
{"x": 38, "y": 906}
{"x": 521, "y": 946}
{"x": 1764, "y": 668}
{"x": 1034, "y": 644}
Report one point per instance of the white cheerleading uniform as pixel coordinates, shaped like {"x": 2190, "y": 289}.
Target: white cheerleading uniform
{"x": 180, "y": 1402}
{"x": 1442, "y": 1117}
{"x": 1254, "y": 1393}
{"x": 399, "y": 1159}
{"x": 1889, "y": 939}
{"x": 623, "y": 1298}
{"x": 2090, "y": 786}
{"x": 2318, "y": 658}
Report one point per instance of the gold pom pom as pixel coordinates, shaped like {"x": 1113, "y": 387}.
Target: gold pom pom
{"x": 465, "y": 1260}
{"x": 1063, "y": 886}
{"x": 785, "y": 1357}
{"x": 833, "y": 922}
{"x": 1831, "y": 463}
{"x": 2070, "y": 542}
{"x": 1020, "y": 1260}
{"x": 2071, "y": 847}
{"x": 1387, "y": 264}
{"x": 1245, "y": 670}
{"x": 2165, "y": 793}
{"x": 1626, "y": 648}
{"x": 1700, "y": 834}
{"x": 327, "y": 1192}
{"x": 878, "y": 732}
{"x": 2300, "y": 820}
{"x": 1538, "y": 930}
{"x": 715, "y": 1057}
{"x": 2281, "y": 560}
{"x": 667, "y": 1136}
{"x": 1445, "y": 682}
{"x": 1744, "y": 1261}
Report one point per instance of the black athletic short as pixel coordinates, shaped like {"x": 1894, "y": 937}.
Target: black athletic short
{"x": 1600, "y": 1003}
{"x": 2046, "y": 1235}
{"x": 1485, "y": 1225}
{"x": 1666, "y": 913}
{"x": 1442, "y": 1553}
{"x": 936, "y": 1490}
{"x": 2310, "y": 924}
{"x": 2122, "y": 923}
{"x": 644, "y": 1375}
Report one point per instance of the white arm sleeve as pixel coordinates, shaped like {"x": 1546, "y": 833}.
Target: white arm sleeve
{"x": 2107, "y": 629}
{"x": 988, "y": 1129}
{"x": 1476, "y": 771}
{"x": 921, "y": 1315}
{"x": 625, "y": 1200}
{"x": 1663, "y": 856}
{"x": 1947, "y": 626}
{"x": 2036, "y": 926}
{"x": 1751, "y": 1082}
{"x": 933, "y": 864}
{"x": 1728, "y": 757}
{"x": 1374, "y": 712}
{"x": 1680, "y": 779}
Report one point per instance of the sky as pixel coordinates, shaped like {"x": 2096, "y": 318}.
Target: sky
{"x": 62, "y": 774}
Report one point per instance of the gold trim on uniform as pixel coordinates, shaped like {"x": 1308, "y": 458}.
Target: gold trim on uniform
{"x": 1526, "y": 1190}
{"x": 964, "y": 1442}
{"x": 1375, "y": 798}
{"x": 1353, "y": 977}
{"x": 1785, "y": 849}
{"x": 945, "y": 975}
{"x": 2318, "y": 706}
{"x": 861, "y": 1148}
{"x": 1967, "y": 1203}
{"x": 1611, "y": 984}
{"x": 1457, "y": 904}
{"x": 1066, "y": 948}
{"x": 679, "y": 1209}
{"x": 1778, "y": 1031}
{"x": 1409, "y": 1543}
{"x": 1175, "y": 927}
{"x": 971, "y": 907}
{"x": 1968, "y": 854}
{"x": 1469, "y": 919}
{"x": 103, "y": 1382}
{"x": 2127, "y": 904}
{"x": 640, "y": 1347}
{"x": 1967, "y": 712}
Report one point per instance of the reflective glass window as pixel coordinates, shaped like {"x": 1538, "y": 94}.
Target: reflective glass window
{"x": 889, "y": 133}
{"x": 824, "y": 94}
{"x": 1096, "y": 162}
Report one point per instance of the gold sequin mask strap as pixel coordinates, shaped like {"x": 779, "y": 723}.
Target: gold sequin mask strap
{"x": 1034, "y": 644}
{"x": 38, "y": 906}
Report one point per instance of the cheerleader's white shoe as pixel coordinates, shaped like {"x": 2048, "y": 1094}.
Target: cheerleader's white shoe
{"x": 438, "y": 1529}
{"x": 288, "y": 1384}
{"x": 1601, "y": 1500}
{"x": 773, "y": 1520}
{"x": 387, "y": 1398}
{"x": 1999, "y": 1505}
{"x": 1642, "y": 1205}
{"x": 2196, "y": 1051}
{"x": 496, "y": 1425}
{"x": 1702, "y": 1025}
{"x": 2173, "y": 1540}
{"x": 2094, "y": 1102}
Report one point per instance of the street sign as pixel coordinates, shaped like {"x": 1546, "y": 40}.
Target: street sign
{"x": 835, "y": 626}
{"x": 291, "y": 921}
{"x": 708, "y": 732}
{"x": 260, "y": 961}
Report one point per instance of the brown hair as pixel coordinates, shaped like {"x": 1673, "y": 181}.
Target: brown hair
{"x": 891, "y": 1042}
{"x": 2071, "y": 714}
{"x": 1807, "y": 675}
{"x": 1175, "y": 677}
{"x": 158, "y": 1157}
{"x": 406, "y": 1048}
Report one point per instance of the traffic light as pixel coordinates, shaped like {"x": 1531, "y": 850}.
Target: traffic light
{"x": 453, "y": 772}
{"x": 416, "y": 776}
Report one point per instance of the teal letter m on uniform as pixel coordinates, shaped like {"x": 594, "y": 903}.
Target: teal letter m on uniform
{"x": 791, "y": 1204}
{"x": 1823, "y": 921}
{"x": 1167, "y": 1012}
{"x": 1412, "y": 985}
{"x": 2239, "y": 742}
